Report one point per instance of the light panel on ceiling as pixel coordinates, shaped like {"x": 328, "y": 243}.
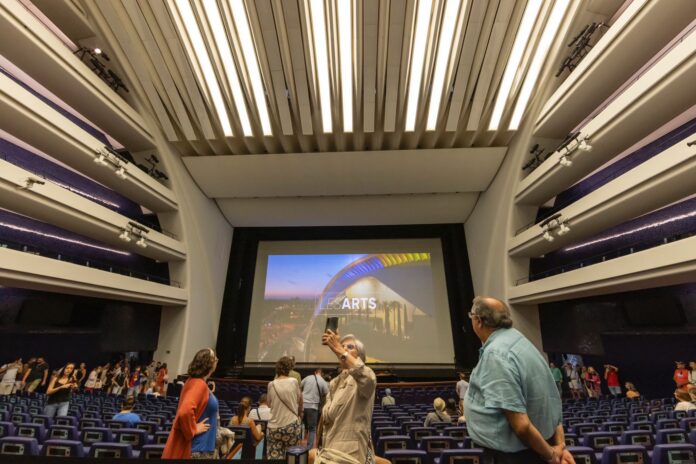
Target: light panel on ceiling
{"x": 524, "y": 32}
{"x": 321, "y": 53}
{"x": 241, "y": 23}
{"x": 550, "y": 31}
{"x": 345, "y": 43}
{"x": 203, "y": 59}
{"x": 446, "y": 42}
{"x": 415, "y": 78}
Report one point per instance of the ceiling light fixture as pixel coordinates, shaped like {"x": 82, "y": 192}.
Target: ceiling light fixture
{"x": 345, "y": 43}
{"x": 550, "y": 30}
{"x": 321, "y": 54}
{"x": 524, "y": 32}
{"x": 446, "y": 43}
{"x": 241, "y": 23}
{"x": 203, "y": 59}
{"x": 420, "y": 38}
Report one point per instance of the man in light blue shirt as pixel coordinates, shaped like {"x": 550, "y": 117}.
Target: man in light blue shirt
{"x": 314, "y": 388}
{"x": 512, "y": 406}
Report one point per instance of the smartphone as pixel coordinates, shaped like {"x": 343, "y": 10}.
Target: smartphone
{"x": 331, "y": 324}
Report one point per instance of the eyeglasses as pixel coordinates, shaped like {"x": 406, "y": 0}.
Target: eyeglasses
{"x": 349, "y": 346}
{"x": 472, "y": 315}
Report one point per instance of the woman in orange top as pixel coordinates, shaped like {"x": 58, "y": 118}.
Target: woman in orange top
{"x": 192, "y": 404}
{"x": 162, "y": 375}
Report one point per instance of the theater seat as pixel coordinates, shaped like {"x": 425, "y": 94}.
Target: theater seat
{"x": 19, "y": 446}
{"x": 642, "y": 425}
{"x": 670, "y": 436}
{"x": 90, "y": 423}
{"x": 409, "y": 456}
{"x": 674, "y": 454}
{"x": 7, "y": 429}
{"x": 460, "y": 433}
{"x": 390, "y": 442}
{"x": 638, "y": 437}
{"x": 63, "y": 448}
{"x": 152, "y": 452}
{"x": 66, "y": 420}
{"x": 571, "y": 439}
{"x": 583, "y": 454}
{"x": 96, "y": 435}
{"x": 30, "y": 430}
{"x": 135, "y": 437}
{"x": 460, "y": 456}
{"x": 688, "y": 423}
{"x": 111, "y": 450}
{"x": 161, "y": 438}
{"x": 625, "y": 454}
{"x": 662, "y": 424}
{"x": 44, "y": 420}
{"x": 599, "y": 440}
{"x": 62, "y": 432}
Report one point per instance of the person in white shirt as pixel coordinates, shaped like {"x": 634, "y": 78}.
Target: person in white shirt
{"x": 683, "y": 401}
{"x": 9, "y": 377}
{"x": 692, "y": 373}
{"x": 462, "y": 387}
{"x": 263, "y": 412}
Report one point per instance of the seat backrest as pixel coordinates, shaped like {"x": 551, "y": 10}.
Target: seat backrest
{"x": 666, "y": 424}
{"x": 66, "y": 420}
{"x": 416, "y": 433}
{"x": 151, "y": 427}
{"x": 63, "y": 448}
{"x": 674, "y": 454}
{"x": 62, "y": 432}
{"x": 392, "y": 442}
{"x": 406, "y": 456}
{"x": 30, "y": 430}
{"x": 582, "y": 454}
{"x": 137, "y": 438}
{"x": 19, "y": 446}
{"x": 111, "y": 450}
{"x": 638, "y": 437}
{"x": 599, "y": 440}
{"x": 457, "y": 432}
{"x": 7, "y": 429}
{"x": 96, "y": 435}
{"x": 152, "y": 451}
{"x": 584, "y": 427}
{"x": 669, "y": 436}
{"x": 90, "y": 423}
{"x": 161, "y": 438}
{"x": 461, "y": 456}
{"x": 688, "y": 423}
{"x": 435, "y": 444}
{"x": 621, "y": 454}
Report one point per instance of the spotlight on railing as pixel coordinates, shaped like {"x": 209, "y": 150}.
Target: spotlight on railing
{"x": 563, "y": 229}
{"x": 547, "y": 236}
{"x": 125, "y": 236}
{"x": 101, "y": 159}
{"x": 121, "y": 172}
{"x": 141, "y": 242}
{"x": 565, "y": 161}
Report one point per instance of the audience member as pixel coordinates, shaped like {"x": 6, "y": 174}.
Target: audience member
{"x": 10, "y": 371}
{"x": 152, "y": 389}
{"x": 692, "y": 372}
{"x": 462, "y": 387}
{"x": 683, "y": 401}
{"x": 134, "y": 382}
{"x": 345, "y": 426}
{"x": 242, "y": 418}
{"x": 59, "y": 391}
{"x": 194, "y": 428}
{"x": 293, "y": 373}
{"x": 451, "y": 408}
{"x": 94, "y": 374}
{"x": 438, "y": 415}
{"x": 285, "y": 399}
{"x": 314, "y": 390}
{"x": 631, "y": 391}
{"x": 262, "y": 412}
{"x": 593, "y": 383}
{"x": 101, "y": 381}
{"x": 611, "y": 375}
{"x": 513, "y": 408}
{"x": 161, "y": 378}
{"x": 681, "y": 375}
{"x": 36, "y": 375}
{"x": 557, "y": 377}
{"x": 127, "y": 416}
{"x": 574, "y": 382}
{"x": 388, "y": 399}
{"x": 81, "y": 374}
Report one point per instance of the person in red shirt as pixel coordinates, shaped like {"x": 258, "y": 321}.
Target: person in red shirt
{"x": 681, "y": 376}
{"x": 611, "y": 375}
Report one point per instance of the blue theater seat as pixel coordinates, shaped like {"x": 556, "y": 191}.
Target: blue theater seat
{"x": 30, "y": 430}
{"x": 674, "y": 454}
{"x": 19, "y": 446}
{"x": 135, "y": 437}
{"x": 7, "y": 429}
{"x": 571, "y": 439}
{"x": 62, "y": 432}
{"x": 599, "y": 440}
{"x": 66, "y": 420}
{"x": 409, "y": 456}
{"x": 583, "y": 454}
{"x": 688, "y": 423}
{"x": 63, "y": 448}
{"x": 110, "y": 450}
{"x": 670, "y": 436}
{"x": 408, "y": 425}
{"x": 460, "y": 432}
{"x": 416, "y": 433}
{"x": 583, "y": 428}
{"x": 150, "y": 427}
{"x": 460, "y": 456}
{"x": 625, "y": 454}
{"x": 613, "y": 427}
{"x": 441, "y": 426}
{"x": 114, "y": 424}
{"x": 436, "y": 444}
{"x": 642, "y": 425}
{"x": 160, "y": 438}
{"x": 389, "y": 442}
{"x": 379, "y": 432}
{"x": 96, "y": 435}
{"x": 20, "y": 418}
{"x": 152, "y": 452}
{"x": 638, "y": 437}
{"x": 666, "y": 424}
{"x": 692, "y": 437}
{"x": 44, "y": 420}
{"x": 90, "y": 423}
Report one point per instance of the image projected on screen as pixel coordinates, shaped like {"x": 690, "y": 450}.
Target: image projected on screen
{"x": 394, "y": 301}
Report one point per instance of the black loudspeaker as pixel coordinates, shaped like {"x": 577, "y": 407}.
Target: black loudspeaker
{"x": 130, "y": 327}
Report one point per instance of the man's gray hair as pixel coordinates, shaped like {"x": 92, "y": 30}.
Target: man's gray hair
{"x": 492, "y": 317}
{"x": 358, "y": 345}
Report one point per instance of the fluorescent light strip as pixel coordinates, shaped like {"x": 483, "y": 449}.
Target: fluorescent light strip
{"x": 201, "y": 55}
{"x": 241, "y": 22}
{"x": 652, "y": 225}
{"x": 444, "y": 49}
{"x": 550, "y": 31}
{"x": 316, "y": 11}
{"x": 345, "y": 36}
{"x": 415, "y": 78}
{"x": 524, "y": 32}
{"x": 62, "y": 239}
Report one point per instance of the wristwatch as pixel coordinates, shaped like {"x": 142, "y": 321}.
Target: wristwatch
{"x": 344, "y": 356}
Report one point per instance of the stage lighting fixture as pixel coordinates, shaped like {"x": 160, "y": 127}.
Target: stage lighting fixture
{"x": 565, "y": 161}
{"x": 563, "y": 229}
{"x": 547, "y": 236}
{"x": 125, "y": 236}
{"x": 141, "y": 242}
{"x": 321, "y": 55}
{"x": 101, "y": 159}
{"x": 584, "y": 146}
{"x": 121, "y": 172}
